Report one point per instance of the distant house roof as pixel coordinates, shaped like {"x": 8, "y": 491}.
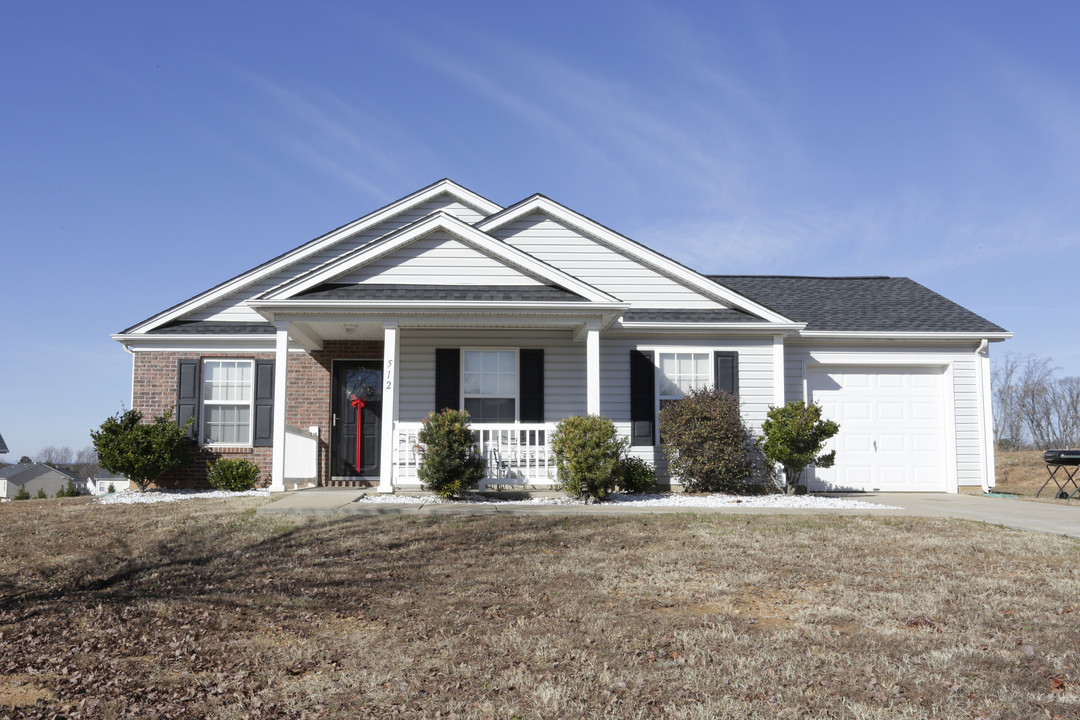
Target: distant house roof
{"x": 10, "y": 471}
{"x": 13, "y": 472}
{"x": 883, "y": 304}
{"x": 3, "y": 445}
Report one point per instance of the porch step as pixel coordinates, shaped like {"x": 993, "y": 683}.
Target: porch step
{"x": 351, "y": 483}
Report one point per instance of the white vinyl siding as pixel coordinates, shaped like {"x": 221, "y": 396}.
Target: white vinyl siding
{"x": 233, "y": 309}
{"x": 438, "y": 259}
{"x": 599, "y": 265}
{"x": 564, "y": 367}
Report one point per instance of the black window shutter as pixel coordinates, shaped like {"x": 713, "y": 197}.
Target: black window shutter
{"x": 642, "y": 398}
{"x": 187, "y": 396}
{"x": 727, "y": 371}
{"x": 531, "y": 385}
{"x": 447, "y": 378}
{"x": 263, "y": 432}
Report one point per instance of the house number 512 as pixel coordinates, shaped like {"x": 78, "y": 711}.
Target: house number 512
{"x": 389, "y": 375}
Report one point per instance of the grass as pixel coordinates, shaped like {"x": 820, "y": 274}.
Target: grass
{"x": 1023, "y": 472}
{"x": 203, "y": 609}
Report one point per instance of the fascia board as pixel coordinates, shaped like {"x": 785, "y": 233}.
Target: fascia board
{"x": 883, "y": 335}
{"x": 140, "y": 342}
{"x": 315, "y": 246}
{"x": 632, "y": 248}
{"x": 432, "y": 223}
{"x": 735, "y": 328}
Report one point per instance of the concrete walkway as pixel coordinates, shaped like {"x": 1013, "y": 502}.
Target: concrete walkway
{"x": 1052, "y": 518}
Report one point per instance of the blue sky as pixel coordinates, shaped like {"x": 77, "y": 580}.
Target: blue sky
{"x": 152, "y": 150}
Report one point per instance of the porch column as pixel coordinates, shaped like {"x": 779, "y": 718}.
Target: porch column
{"x": 779, "y": 375}
{"x": 281, "y": 383}
{"x": 592, "y": 368}
{"x": 389, "y": 406}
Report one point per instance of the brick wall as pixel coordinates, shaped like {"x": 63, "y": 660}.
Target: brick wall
{"x": 154, "y": 393}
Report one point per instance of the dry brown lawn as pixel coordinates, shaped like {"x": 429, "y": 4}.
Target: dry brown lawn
{"x": 1023, "y": 472}
{"x": 204, "y": 609}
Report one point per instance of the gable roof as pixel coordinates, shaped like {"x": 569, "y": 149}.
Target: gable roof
{"x": 859, "y": 304}
{"x": 437, "y": 221}
{"x": 312, "y": 247}
{"x": 3, "y": 446}
{"x": 13, "y": 473}
{"x": 630, "y": 248}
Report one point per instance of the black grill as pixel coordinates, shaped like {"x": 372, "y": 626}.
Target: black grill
{"x": 1062, "y": 457}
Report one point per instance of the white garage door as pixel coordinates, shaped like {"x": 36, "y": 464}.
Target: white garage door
{"x": 892, "y": 428}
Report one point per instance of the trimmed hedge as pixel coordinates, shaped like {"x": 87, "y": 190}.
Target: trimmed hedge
{"x": 233, "y": 474}
{"x": 449, "y": 464}
{"x": 587, "y": 454}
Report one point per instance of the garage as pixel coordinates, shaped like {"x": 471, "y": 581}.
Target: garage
{"x": 892, "y": 428}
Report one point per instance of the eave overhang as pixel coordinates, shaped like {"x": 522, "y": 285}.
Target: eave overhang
{"x": 903, "y": 336}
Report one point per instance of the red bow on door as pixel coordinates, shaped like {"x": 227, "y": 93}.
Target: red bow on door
{"x": 358, "y": 403}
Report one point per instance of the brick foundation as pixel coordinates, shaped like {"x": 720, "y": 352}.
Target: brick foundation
{"x": 154, "y": 389}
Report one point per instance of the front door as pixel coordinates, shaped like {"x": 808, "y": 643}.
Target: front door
{"x": 357, "y": 410}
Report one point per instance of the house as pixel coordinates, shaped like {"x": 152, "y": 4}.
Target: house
{"x": 100, "y": 482}
{"x": 3, "y": 446}
{"x": 320, "y": 364}
{"x": 34, "y": 477}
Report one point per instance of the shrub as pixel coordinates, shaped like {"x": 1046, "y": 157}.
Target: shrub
{"x": 42, "y": 495}
{"x": 587, "y": 452}
{"x": 141, "y": 452}
{"x": 234, "y": 475}
{"x": 636, "y": 475}
{"x": 708, "y": 446}
{"x": 112, "y": 488}
{"x": 449, "y": 464}
{"x": 23, "y": 494}
{"x": 794, "y": 435}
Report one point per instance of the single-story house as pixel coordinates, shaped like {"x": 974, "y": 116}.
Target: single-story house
{"x": 100, "y": 482}
{"x": 35, "y": 477}
{"x": 320, "y": 364}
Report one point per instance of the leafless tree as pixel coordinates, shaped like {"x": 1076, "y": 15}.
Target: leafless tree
{"x": 55, "y": 455}
{"x": 1032, "y": 406}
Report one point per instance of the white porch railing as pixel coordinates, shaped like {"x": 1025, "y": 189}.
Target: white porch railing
{"x": 301, "y": 454}
{"x": 516, "y": 453}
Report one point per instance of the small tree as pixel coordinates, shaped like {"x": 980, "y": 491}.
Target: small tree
{"x": 709, "y": 447}
{"x": 25, "y": 459}
{"x": 68, "y": 490}
{"x": 795, "y": 435}
{"x": 23, "y": 493}
{"x": 42, "y": 495}
{"x": 112, "y": 488}
{"x": 141, "y": 451}
{"x": 449, "y": 464}
{"x": 587, "y": 454}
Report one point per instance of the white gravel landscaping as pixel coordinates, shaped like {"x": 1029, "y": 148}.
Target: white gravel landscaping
{"x": 812, "y": 502}
{"x": 133, "y": 497}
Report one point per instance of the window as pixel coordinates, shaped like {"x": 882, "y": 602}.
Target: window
{"x": 490, "y": 385}
{"x": 226, "y": 398}
{"x": 681, "y": 372}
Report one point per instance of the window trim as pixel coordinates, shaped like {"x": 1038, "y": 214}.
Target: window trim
{"x": 462, "y": 395}
{"x": 213, "y": 403}
{"x": 711, "y": 379}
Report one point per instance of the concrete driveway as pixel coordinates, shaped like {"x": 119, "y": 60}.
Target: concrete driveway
{"x": 1052, "y": 518}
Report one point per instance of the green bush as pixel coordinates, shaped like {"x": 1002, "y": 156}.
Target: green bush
{"x": 23, "y": 494}
{"x": 708, "y": 446}
{"x": 112, "y": 488}
{"x": 142, "y": 452}
{"x": 636, "y": 475}
{"x": 587, "y": 453}
{"x": 795, "y": 434}
{"x": 42, "y": 495}
{"x": 449, "y": 464}
{"x": 234, "y": 475}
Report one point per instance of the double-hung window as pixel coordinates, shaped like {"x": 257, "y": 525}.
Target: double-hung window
{"x": 227, "y": 402}
{"x": 490, "y": 385}
{"x": 681, "y": 372}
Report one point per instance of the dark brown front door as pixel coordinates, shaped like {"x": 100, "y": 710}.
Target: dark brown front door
{"x": 357, "y": 403}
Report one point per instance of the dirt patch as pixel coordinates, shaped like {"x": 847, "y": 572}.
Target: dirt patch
{"x": 21, "y": 690}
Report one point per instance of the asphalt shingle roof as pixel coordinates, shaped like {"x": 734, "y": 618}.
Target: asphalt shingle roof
{"x": 724, "y": 315}
{"x": 3, "y": 445}
{"x": 884, "y": 304}
{"x": 206, "y": 327}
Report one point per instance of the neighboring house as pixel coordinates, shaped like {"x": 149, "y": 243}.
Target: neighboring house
{"x": 527, "y": 314}
{"x": 98, "y": 484}
{"x": 34, "y": 477}
{"x": 3, "y": 446}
